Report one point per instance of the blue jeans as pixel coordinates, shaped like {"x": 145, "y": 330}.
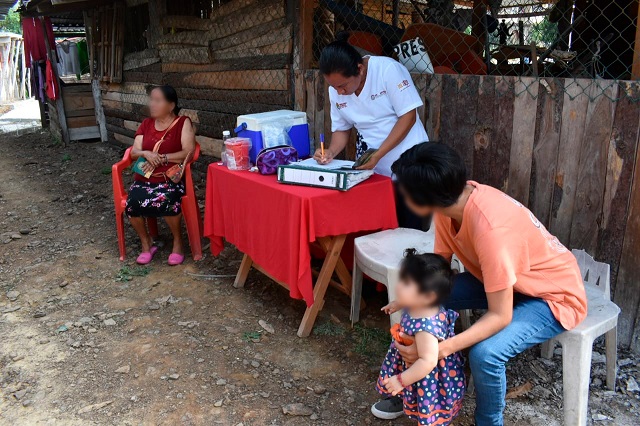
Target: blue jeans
{"x": 532, "y": 323}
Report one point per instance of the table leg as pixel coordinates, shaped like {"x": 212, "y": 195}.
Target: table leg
{"x": 322, "y": 283}
{"x": 243, "y": 272}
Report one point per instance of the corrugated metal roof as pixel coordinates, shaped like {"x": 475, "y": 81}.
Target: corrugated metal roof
{"x": 5, "y": 5}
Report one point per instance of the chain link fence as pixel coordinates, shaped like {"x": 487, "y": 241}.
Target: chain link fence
{"x": 581, "y": 41}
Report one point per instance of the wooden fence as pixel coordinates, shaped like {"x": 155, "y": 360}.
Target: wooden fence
{"x": 565, "y": 148}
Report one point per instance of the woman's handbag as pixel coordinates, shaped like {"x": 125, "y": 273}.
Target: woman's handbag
{"x": 270, "y": 158}
{"x": 137, "y": 166}
{"x": 176, "y": 172}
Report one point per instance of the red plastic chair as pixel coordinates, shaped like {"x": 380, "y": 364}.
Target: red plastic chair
{"x": 190, "y": 209}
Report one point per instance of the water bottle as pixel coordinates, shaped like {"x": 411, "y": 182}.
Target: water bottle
{"x": 223, "y": 155}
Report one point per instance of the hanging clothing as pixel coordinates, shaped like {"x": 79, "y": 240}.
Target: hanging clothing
{"x": 33, "y": 34}
{"x": 53, "y": 91}
{"x": 83, "y": 56}
{"x": 68, "y": 59}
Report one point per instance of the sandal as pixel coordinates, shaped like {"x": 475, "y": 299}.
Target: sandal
{"x": 147, "y": 256}
{"x": 176, "y": 259}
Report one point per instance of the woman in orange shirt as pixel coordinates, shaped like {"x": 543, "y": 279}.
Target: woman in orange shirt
{"x": 528, "y": 282}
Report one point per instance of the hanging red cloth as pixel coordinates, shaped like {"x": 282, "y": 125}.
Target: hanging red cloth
{"x": 53, "y": 90}
{"x": 33, "y": 34}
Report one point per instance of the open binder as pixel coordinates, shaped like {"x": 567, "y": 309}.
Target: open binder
{"x": 336, "y": 175}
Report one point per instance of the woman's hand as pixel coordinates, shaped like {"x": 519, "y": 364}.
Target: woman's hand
{"x": 371, "y": 163}
{"x": 391, "y": 308}
{"x": 409, "y": 353}
{"x": 444, "y": 350}
{"x": 392, "y": 385}
{"x": 153, "y": 158}
{"x": 147, "y": 167}
{"x": 326, "y": 159}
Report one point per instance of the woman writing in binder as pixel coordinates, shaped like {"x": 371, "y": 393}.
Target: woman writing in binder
{"x": 376, "y": 95}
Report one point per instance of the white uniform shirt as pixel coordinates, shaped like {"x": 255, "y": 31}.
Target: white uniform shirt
{"x": 388, "y": 93}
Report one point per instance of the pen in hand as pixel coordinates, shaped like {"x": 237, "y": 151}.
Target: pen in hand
{"x": 322, "y": 146}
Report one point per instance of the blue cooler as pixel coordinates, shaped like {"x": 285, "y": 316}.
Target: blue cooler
{"x": 251, "y": 126}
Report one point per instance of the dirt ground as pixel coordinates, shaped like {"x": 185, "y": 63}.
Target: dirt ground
{"x": 88, "y": 340}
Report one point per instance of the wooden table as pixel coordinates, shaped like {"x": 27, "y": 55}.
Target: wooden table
{"x": 274, "y": 226}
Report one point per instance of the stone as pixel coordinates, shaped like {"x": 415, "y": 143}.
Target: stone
{"x": 93, "y": 407}
{"x": 221, "y": 382}
{"x": 92, "y": 330}
{"x": 266, "y": 326}
{"x": 632, "y": 385}
{"x": 174, "y": 376}
{"x": 625, "y": 362}
{"x": 13, "y": 295}
{"x": 319, "y": 390}
{"x": 255, "y": 364}
{"x": 598, "y": 358}
{"x": 297, "y": 409}
{"x": 15, "y": 236}
{"x": 63, "y": 284}
{"x": 39, "y": 314}
{"x": 314, "y": 416}
{"x": 597, "y": 417}
{"x": 20, "y": 394}
{"x": 25, "y": 231}
{"x": 218, "y": 403}
{"x": 125, "y": 369}
{"x": 109, "y": 321}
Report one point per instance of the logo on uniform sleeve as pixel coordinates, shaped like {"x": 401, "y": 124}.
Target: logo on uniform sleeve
{"x": 341, "y": 105}
{"x": 404, "y": 85}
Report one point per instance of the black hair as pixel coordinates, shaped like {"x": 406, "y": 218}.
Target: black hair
{"x": 169, "y": 94}
{"x": 431, "y": 174}
{"x": 431, "y": 272}
{"x": 340, "y": 57}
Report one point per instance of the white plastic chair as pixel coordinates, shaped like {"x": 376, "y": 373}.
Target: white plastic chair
{"x": 577, "y": 344}
{"x": 379, "y": 256}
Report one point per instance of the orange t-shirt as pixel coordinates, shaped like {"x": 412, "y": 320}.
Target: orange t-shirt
{"x": 503, "y": 244}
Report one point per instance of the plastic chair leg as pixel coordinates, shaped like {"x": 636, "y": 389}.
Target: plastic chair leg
{"x": 356, "y": 292}
{"x": 152, "y": 224}
{"x": 576, "y": 372}
{"x": 611, "y": 343}
{"x": 547, "y": 348}
{"x": 193, "y": 227}
{"x": 120, "y": 231}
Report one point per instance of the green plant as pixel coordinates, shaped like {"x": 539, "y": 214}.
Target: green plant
{"x": 251, "y": 336}
{"x": 371, "y": 342}
{"x": 12, "y": 22}
{"x": 329, "y": 329}
{"x": 66, "y": 157}
{"x": 126, "y": 273}
{"x": 544, "y": 32}
{"x": 106, "y": 170}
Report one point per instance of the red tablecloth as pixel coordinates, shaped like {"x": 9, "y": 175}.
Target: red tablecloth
{"x": 274, "y": 223}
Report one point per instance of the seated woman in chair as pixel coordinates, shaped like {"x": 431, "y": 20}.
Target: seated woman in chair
{"x": 157, "y": 195}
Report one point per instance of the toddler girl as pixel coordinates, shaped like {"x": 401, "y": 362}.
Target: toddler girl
{"x": 431, "y": 389}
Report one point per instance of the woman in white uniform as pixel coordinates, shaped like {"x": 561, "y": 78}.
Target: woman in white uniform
{"x": 376, "y": 95}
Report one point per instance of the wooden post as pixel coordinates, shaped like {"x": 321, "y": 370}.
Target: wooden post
{"x": 157, "y": 9}
{"x": 635, "y": 70}
{"x": 303, "y": 48}
{"x": 100, "y": 119}
{"x": 478, "y": 28}
{"x": 395, "y": 14}
{"x": 62, "y": 117}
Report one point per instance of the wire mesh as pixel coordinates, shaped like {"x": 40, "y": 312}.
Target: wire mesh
{"x": 520, "y": 40}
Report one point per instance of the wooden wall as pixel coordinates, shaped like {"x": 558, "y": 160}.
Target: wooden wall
{"x": 237, "y": 62}
{"x": 565, "y": 148}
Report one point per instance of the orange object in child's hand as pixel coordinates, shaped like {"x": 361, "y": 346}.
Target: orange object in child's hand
{"x": 395, "y": 333}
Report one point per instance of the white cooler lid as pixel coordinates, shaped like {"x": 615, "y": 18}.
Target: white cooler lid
{"x": 254, "y": 121}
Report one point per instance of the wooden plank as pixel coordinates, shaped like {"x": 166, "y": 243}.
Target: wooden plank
{"x": 262, "y": 34}
{"x": 131, "y": 125}
{"x": 140, "y": 63}
{"x": 485, "y": 131}
{"x": 147, "y": 77}
{"x": 265, "y": 62}
{"x": 192, "y": 114}
{"x": 210, "y": 146}
{"x": 592, "y": 166}
{"x": 125, "y": 115}
{"x": 459, "y": 122}
{"x": 271, "y": 49}
{"x": 185, "y": 38}
{"x": 123, "y": 139}
{"x": 121, "y": 130}
{"x": 300, "y": 91}
{"x": 84, "y": 133}
{"x": 185, "y": 55}
{"x": 501, "y": 147}
{"x": 76, "y": 122}
{"x": 78, "y": 101}
{"x": 433, "y": 101}
{"x": 81, "y": 113}
{"x": 545, "y": 149}
{"x": 574, "y": 113}
{"x": 627, "y": 294}
{"x": 240, "y": 80}
{"x": 229, "y": 107}
{"x": 618, "y": 182}
{"x": 270, "y": 97}
{"x": 420, "y": 82}
{"x": 635, "y": 69}
{"x": 223, "y": 11}
{"x": 522, "y": 139}
{"x": 303, "y": 41}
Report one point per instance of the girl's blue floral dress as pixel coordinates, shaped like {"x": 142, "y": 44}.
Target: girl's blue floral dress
{"x": 436, "y": 399}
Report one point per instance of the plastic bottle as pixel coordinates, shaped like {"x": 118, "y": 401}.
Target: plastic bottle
{"x": 223, "y": 155}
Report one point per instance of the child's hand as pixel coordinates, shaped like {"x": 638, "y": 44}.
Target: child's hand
{"x": 391, "y": 308}
{"x": 392, "y": 385}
